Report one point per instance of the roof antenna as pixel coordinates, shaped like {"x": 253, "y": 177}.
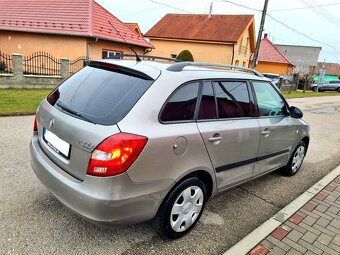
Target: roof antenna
{"x": 137, "y": 57}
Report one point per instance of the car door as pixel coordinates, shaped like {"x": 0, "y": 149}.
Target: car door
{"x": 230, "y": 133}
{"x": 277, "y": 128}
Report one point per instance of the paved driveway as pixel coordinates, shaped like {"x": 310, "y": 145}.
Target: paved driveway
{"x": 33, "y": 222}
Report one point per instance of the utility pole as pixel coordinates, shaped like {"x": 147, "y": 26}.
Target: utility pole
{"x": 259, "y": 36}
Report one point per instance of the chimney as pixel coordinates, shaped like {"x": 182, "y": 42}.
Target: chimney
{"x": 265, "y": 35}
{"x": 210, "y": 11}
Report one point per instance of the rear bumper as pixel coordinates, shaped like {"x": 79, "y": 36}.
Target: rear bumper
{"x": 115, "y": 199}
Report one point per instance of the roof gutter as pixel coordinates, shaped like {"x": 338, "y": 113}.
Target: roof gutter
{"x": 232, "y": 57}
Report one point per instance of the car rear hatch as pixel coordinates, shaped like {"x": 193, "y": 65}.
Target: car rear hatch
{"x": 83, "y": 111}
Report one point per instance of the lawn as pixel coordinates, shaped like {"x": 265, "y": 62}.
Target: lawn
{"x": 21, "y": 101}
{"x": 295, "y": 94}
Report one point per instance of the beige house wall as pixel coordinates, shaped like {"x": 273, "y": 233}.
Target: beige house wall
{"x": 243, "y": 50}
{"x": 201, "y": 51}
{"x": 58, "y": 46}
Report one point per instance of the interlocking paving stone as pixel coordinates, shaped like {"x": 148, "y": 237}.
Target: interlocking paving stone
{"x": 294, "y": 235}
{"x": 309, "y": 247}
{"x": 259, "y": 250}
{"x": 309, "y": 220}
{"x": 321, "y": 208}
{"x": 309, "y": 237}
{"x": 322, "y": 222}
{"x": 325, "y": 248}
{"x": 293, "y": 252}
{"x": 277, "y": 251}
{"x": 294, "y": 245}
{"x": 296, "y": 218}
{"x": 313, "y": 229}
{"x": 278, "y": 243}
{"x": 324, "y": 239}
{"x": 279, "y": 233}
{"x": 324, "y": 230}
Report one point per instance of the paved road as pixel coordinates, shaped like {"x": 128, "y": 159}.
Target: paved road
{"x": 34, "y": 222}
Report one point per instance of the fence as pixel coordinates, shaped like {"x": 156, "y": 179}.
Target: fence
{"x": 41, "y": 63}
{"x": 6, "y": 63}
{"x": 77, "y": 64}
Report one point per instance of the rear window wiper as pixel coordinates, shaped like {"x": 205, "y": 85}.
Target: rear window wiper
{"x": 68, "y": 109}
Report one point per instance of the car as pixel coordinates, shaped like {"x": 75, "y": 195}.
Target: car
{"x": 333, "y": 85}
{"x": 275, "y": 78}
{"x": 124, "y": 141}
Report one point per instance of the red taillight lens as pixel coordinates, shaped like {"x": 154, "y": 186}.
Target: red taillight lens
{"x": 35, "y": 125}
{"x": 116, "y": 154}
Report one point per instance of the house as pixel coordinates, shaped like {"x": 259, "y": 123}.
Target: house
{"x": 272, "y": 60}
{"x": 227, "y": 39}
{"x": 304, "y": 58}
{"x": 332, "y": 71}
{"x": 64, "y": 29}
{"x": 134, "y": 27}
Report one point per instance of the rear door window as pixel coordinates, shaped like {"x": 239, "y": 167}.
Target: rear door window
{"x": 208, "y": 103}
{"x": 233, "y": 99}
{"x": 100, "y": 94}
{"x": 182, "y": 104}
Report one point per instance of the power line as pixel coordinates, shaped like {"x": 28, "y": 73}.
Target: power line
{"x": 303, "y": 8}
{"x": 283, "y": 24}
{"x": 321, "y": 13}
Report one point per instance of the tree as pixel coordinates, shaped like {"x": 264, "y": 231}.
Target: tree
{"x": 185, "y": 55}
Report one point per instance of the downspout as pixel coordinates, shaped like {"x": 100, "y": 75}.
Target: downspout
{"x": 232, "y": 57}
{"x": 88, "y": 48}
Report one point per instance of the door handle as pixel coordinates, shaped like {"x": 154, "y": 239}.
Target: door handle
{"x": 265, "y": 132}
{"x": 215, "y": 139}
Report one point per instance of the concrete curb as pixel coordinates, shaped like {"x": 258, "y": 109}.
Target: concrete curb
{"x": 251, "y": 240}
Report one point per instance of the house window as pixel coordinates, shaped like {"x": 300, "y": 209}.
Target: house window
{"x": 111, "y": 54}
{"x": 173, "y": 55}
{"x": 237, "y": 63}
{"x": 244, "y": 64}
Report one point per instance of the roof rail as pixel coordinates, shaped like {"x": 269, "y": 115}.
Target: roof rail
{"x": 147, "y": 57}
{"x": 178, "y": 67}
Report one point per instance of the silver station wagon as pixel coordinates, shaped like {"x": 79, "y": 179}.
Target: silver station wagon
{"x": 126, "y": 141}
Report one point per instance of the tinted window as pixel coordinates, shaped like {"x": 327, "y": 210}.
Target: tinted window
{"x": 182, "y": 104}
{"x": 269, "y": 101}
{"x": 232, "y": 99}
{"x": 208, "y": 103}
{"x": 100, "y": 96}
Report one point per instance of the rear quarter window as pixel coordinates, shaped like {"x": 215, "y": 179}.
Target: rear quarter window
{"x": 100, "y": 95}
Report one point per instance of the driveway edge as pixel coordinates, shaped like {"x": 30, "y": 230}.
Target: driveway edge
{"x": 251, "y": 240}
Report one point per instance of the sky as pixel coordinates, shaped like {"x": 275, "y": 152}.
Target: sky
{"x": 318, "y": 26}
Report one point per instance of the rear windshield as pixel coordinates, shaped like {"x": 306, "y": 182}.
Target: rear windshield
{"x": 99, "y": 94}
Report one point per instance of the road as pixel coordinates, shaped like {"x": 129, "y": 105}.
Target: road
{"x": 34, "y": 222}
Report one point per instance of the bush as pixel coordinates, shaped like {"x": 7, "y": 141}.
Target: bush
{"x": 185, "y": 55}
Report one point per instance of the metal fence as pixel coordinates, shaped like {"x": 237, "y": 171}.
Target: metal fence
{"x": 6, "y": 63}
{"x": 41, "y": 63}
{"x": 77, "y": 64}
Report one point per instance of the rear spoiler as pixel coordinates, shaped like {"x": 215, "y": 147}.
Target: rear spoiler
{"x": 119, "y": 69}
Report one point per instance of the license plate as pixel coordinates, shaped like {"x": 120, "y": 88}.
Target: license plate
{"x": 57, "y": 144}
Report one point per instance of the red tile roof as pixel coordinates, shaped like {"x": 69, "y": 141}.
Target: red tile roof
{"x": 67, "y": 17}
{"x": 221, "y": 28}
{"x": 331, "y": 68}
{"x": 268, "y": 52}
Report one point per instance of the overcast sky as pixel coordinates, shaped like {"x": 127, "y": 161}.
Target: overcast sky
{"x": 321, "y": 24}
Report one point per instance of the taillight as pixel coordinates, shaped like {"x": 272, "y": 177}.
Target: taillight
{"x": 115, "y": 154}
{"x": 35, "y": 125}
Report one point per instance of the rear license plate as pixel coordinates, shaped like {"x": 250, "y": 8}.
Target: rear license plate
{"x": 57, "y": 144}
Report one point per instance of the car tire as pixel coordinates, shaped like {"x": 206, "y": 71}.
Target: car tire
{"x": 181, "y": 209}
{"x": 296, "y": 160}
{"x": 338, "y": 90}
{"x": 314, "y": 89}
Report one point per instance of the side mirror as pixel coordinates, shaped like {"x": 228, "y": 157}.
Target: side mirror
{"x": 295, "y": 112}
